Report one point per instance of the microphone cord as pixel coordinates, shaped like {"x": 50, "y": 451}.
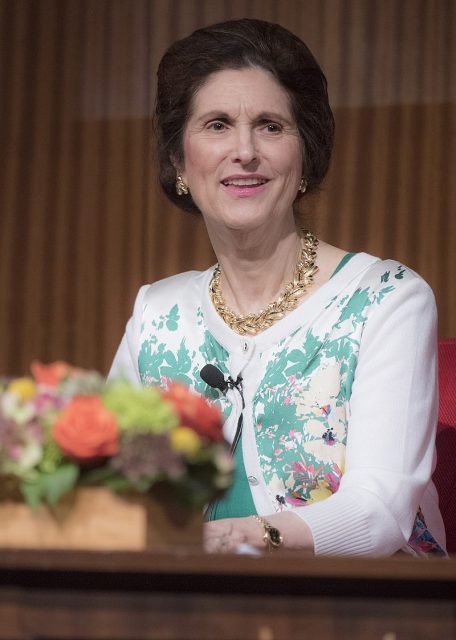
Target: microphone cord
{"x": 212, "y": 376}
{"x": 237, "y": 435}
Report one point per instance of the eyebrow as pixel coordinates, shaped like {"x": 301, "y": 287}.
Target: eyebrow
{"x": 261, "y": 117}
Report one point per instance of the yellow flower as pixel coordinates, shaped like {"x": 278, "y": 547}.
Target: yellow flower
{"x": 186, "y": 441}
{"x": 24, "y": 388}
{"x": 322, "y": 492}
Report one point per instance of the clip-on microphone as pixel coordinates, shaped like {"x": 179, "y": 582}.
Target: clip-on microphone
{"x": 212, "y": 376}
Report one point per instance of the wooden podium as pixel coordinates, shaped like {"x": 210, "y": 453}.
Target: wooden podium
{"x": 61, "y": 595}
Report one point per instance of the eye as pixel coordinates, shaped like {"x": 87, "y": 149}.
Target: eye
{"x": 216, "y": 125}
{"x": 273, "y": 127}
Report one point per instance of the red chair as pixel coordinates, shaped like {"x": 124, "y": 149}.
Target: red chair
{"x": 445, "y": 473}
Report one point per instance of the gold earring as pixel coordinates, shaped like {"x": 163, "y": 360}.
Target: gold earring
{"x": 303, "y": 185}
{"x": 181, "y": 187}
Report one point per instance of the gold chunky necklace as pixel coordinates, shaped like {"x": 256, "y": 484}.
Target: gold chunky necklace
{"x": 253, "y": 323}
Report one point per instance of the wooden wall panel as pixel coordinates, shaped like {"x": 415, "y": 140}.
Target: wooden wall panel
{"x": 83, "y": 222}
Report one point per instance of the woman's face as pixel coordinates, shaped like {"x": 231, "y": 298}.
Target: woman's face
{"x": 242, "y": 150}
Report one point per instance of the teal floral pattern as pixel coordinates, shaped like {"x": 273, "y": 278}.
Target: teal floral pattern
{"x": 165, "y": 356}
{"x": 300, "y": 409}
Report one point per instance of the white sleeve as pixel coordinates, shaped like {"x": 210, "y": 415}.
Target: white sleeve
{"x": 391, "y": 430}
{"x": 125, "y": 363}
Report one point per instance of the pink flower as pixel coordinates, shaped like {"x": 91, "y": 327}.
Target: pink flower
{"x": 16, "y": 452}
{"x": 296, "y": 502}
{"x": 333, "y": 478}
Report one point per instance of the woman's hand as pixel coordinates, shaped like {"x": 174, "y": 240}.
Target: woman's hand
{"x": 225, "y": 536}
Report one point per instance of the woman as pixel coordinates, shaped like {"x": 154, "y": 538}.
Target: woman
{"x": 328, "y": 358}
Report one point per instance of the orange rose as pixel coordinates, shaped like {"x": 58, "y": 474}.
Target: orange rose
{"x": 86, "y": 429}
{"x": 52, "y": 374}
{"x": 195, "y": 412}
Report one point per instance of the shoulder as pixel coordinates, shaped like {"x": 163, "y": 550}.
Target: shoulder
{"x": 396, "y": 299}
{"x": 180, "y": 287}
{"x": 383, "y": 291}
{"x": 389, "y": 276}
{"x": 184, "y": 290}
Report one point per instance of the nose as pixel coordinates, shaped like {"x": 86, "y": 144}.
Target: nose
{"x": 244, "y": 146}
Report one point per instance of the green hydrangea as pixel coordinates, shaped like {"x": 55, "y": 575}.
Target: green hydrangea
{"x": 52, "y": 457}
{"x": 139, "y": 409}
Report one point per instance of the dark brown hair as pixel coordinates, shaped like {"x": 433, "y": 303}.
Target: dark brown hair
{"x": 240, "y": 44}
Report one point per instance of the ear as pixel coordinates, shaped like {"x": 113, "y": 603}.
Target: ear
{"x": 177, "y": 166}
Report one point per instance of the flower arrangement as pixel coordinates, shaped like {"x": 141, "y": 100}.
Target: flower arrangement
{"x": 64, "y": 427}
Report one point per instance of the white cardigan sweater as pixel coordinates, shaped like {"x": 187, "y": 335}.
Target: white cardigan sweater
{"x": 340, "y": 398}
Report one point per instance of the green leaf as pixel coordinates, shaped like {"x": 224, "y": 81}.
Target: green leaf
{"x": 294, "y": 369}
{"x": 295, "y": 355}
{"x": 172, "y": 319}
{"x": 400, "y": 273}
{"x": 121, "y": 484}
{"x": 183, "y": 358}
{"x": 100, "y": 475}
{"x": 354, "y": 310}
{"x": 59, "y": 482}
{"x": 32, "y": 492}
{"x": 382, "y": 293}
{"x": 49, "y": 487}
{"x": 170, "y": 359}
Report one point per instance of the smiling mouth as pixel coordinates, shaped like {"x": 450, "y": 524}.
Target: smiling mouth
{"x": 244, "y": 182}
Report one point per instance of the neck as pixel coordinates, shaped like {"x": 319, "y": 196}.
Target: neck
{"x": 255, "y": 266}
